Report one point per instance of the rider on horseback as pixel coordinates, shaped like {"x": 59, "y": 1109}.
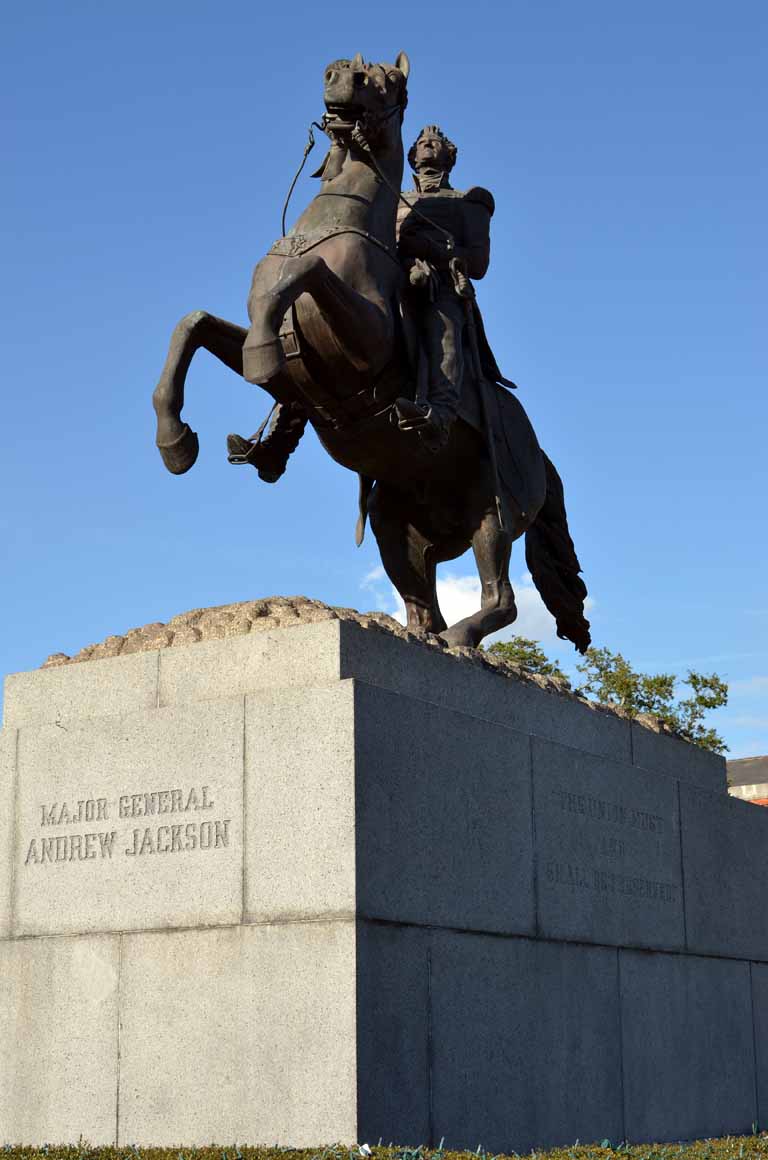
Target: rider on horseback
{"x": 325, "y": 307}
{"x": 443, "y": 241}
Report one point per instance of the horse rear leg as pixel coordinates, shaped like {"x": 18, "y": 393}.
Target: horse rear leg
{"x": 177, "y": 442}
{"x": 492, "y": 548}
{"x": 408, "y": 559}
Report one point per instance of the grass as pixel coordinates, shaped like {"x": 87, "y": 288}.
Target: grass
{"x": 728, "y": 1148}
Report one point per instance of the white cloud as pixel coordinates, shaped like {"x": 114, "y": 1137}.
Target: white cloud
{"x": 459, "y": 596}
{"x": 398, "y": 608}
{"x": 373, "y": 578}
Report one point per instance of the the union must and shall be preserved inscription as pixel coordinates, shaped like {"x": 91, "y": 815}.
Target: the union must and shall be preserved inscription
{"x": 131, "y": 824}
{"x": 609, "y": 851}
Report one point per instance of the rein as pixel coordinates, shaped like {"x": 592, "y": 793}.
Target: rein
{"x": 359, "y": 138}
{"x": 307, "y": 150}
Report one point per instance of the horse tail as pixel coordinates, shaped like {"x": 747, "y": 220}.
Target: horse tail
{"x": 554, "y": 565}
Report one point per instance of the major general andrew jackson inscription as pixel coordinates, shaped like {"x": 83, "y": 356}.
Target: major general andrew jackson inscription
{"x": 172, "y": 837}
{"x": 130, "y": 822}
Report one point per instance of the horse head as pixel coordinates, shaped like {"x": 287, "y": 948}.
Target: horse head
{"x": 363, "y": 94}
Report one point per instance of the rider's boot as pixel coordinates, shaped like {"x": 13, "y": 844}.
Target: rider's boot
{"x": 270, "y": 455}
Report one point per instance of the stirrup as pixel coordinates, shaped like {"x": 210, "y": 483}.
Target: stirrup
{"x": 411, "y": 416}
{"x": 253, "y": 452}
{"x": 240, "y": 450}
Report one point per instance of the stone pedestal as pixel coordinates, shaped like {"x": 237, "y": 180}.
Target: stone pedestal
{"x": 324, "y": 883}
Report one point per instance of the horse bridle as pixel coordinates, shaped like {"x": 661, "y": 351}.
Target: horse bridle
{"x": 361, "y": 127}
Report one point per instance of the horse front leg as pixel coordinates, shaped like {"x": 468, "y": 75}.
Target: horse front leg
{"x": 360, "y": 325}
{"x": 176, "y": 441}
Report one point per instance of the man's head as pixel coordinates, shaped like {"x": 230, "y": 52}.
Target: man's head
{"x": 432, "y": 150}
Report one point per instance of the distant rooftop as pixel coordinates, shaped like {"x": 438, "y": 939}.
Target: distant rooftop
{"x": 748, "y": 771}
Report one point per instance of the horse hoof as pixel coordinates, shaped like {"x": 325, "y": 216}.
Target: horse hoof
{"x": 179, "y": 455}
{"x": 261, "y": 362}
{"x": 458, "y": 637}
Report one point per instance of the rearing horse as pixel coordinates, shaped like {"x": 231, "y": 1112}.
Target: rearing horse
{"x": 326, "y": 333}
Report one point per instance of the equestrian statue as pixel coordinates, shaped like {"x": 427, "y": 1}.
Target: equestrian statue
{"x": 364, "y": 323}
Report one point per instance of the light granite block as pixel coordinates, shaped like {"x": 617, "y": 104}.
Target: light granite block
{"x": 102, "y": 688}
{"x": 607, "y": 851}
{"x": 241, "y": 1035}
{"x": 58, "y": 1040}
{"x": 7, "y": 808}
{"x": 725, "y": 842}
{"x": 300, "y": 803}
{"x": 130, "y": 823}
{"x": 671, "y": 755}
{"x": 688, "y": 1056}
{"x": 443, "y": 816}
{"x": 285, "y": 658}
{"x": 393, "y": 1033}
{"x": 526, "y": 1043}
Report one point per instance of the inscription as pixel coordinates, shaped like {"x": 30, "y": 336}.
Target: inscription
{"x": 134, "y": 805}
{"x": 96, "y": 845}
{"x": 92, "y": 810}
{"x": 600, "y": 810}
{"x": 170, "y": 840}
{"x": 609, "y": 882}
{"x": 611, "y": 848}
{"x": 70, "y": 848}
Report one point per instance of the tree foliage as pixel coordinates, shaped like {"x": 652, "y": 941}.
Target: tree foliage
{"x": 529, "y": 656}
{"x": 609, "y": 678}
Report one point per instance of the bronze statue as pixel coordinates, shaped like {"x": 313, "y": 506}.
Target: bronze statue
{"x": 382, "y": 351}
{"x": 443, "y": 242}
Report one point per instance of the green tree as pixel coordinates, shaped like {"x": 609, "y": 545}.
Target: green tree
{"x": 610, "y": 679}
{"x": 529, "y": 656}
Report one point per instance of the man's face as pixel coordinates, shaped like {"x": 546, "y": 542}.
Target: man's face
{"x": 431, "y": 153}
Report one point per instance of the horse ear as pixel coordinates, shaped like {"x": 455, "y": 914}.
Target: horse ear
{"x": 358, "y": 62}
{"x": 403, "y": 64}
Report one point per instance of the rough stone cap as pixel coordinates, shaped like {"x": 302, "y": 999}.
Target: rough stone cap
{"x": 278, "y": 612}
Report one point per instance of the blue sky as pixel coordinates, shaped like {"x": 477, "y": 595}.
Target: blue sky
{"x": 147, "y": 150}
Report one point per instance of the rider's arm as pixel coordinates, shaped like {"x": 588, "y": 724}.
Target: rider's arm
{"x": 475, "y": 250}
{"x": 473, "y": 247}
